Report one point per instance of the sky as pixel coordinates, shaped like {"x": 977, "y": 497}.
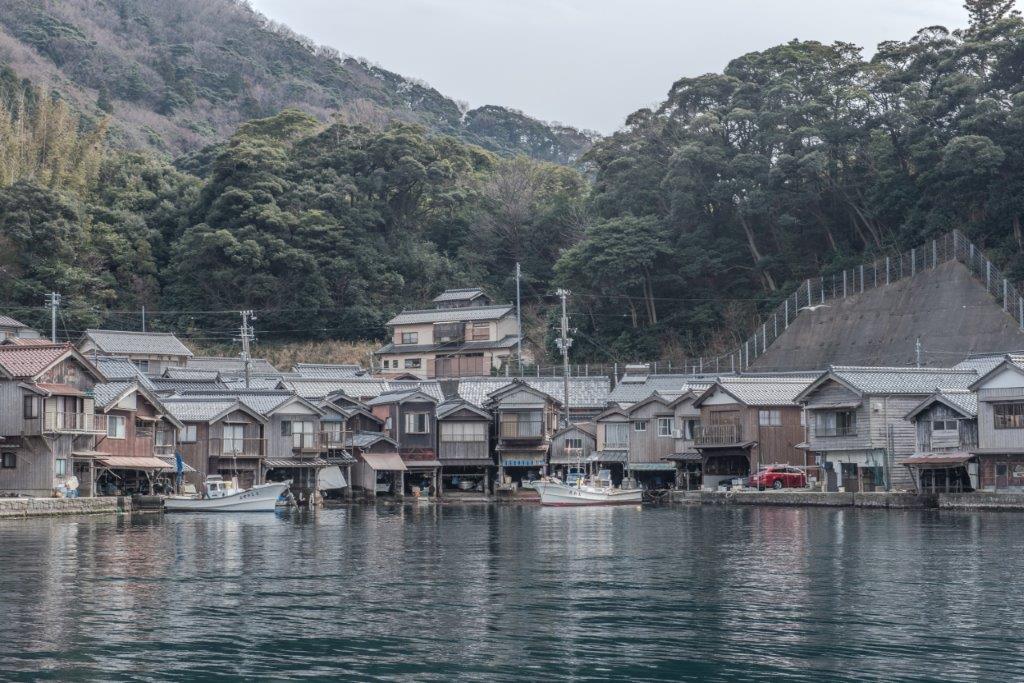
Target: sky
{"x": 586, "y": 63}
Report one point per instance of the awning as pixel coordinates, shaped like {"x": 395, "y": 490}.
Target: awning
{"x": 296, "y": 462}
{"x": 391, "y": 462}
{"x": 422, "y": 464}
{"x": 340, "y": 458}
{"x": 651, "y": 467}
{"x": 611, "y": 456}
{"x": 85, "y": 453}
{"x": 479, "y": 462}
{"x": 133, "y": 462}
{"x": 61, "y": 389}
{"x": 937, "y": 459}
{"x": 837, "y": 404}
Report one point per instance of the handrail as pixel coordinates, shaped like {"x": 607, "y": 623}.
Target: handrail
{"x": 717, "y": 434}
{"x": 243, "y": 447}
{"x": 532, "y": 429}
{"x": 87, "y": 423}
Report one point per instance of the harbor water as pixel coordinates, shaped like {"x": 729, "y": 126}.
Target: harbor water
{"x": 493, "y": 593}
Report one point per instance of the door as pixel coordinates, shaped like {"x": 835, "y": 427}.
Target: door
{"x": 849, "y": 477}
{"x": 234, "y": 439}
{"x": 1002, "y": 475}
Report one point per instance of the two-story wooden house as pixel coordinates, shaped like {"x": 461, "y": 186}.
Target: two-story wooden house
{"x": 857, "y": 421}
{"x": 748, "y": 423}
{"x": 526, "y": 420}
{"x": 463, "y": 336}
{"x": 47, "y": 419}
{"x": 138, "y": 446}
{"x": 410, "y": 420}
{"x": 1000, "y": 449}
{"x": 947, "y": 432}
{"x": 685, "y": 456}
{"x": 652, "y": 440}
{"x": 611, "y": 447}
{"x": 220, "y": 435}
{"x": 572, "y": 447}
{"x": 464, "y": 447}
{"x": 152, "y": 352}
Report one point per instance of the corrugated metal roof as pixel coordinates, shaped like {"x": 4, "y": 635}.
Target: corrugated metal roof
{"x": 232, "y": 365}
{"x": 584, "y": 392}
{"x": 28, "y": 361}
{"x": 328, "y": 371}
{"x": 882, "y": 380}
{"x": 443, "y": 315}
{"x": 463, "y": 294}
{"x": 128, "y": 342}
{"x": 765, "y": 391}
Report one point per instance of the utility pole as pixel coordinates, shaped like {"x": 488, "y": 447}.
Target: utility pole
{"x": 917, "y": 350}
{"x": 247, "y": 335}
{"x": 564, "y": 342}
{"x": 519, "y": 321}
{"x": 53, "y": 301}
{"x": 143, "y": 318}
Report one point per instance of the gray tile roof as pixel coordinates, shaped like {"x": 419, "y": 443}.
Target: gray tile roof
{"x": 261, "y": 401}
{"x": 765, "y": 391}
{"x": 254, "y": 382}
{"x": 197, "y": 409}
{"x": 454, "y": 405}
{"x": 366, "y": 439}
{"x": 584, "y": 392}
{"x": 232, "y": 365}
{"x": 106, "y": 393}
{"x": 463, "y": 294}
{"x": 190, "y": 373}
{"x": 981, "y": 363}
{"x": 626, "y": 392}
{"x": 359, "y": 387}
{"x": 122, "y": 342}
{"x": 966, "y": 401}
{"x": 395, "y": 396}
{"x": 114, "y": 368}
{"x": 444, "y": 315}
{"x": 328, "y": 371}
{"x": 164, "y": 385}
{"x": 896, "y": 380}
{"x": 8, "y": 321}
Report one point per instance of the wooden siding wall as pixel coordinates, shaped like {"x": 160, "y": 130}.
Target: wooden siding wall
{"x": 601, "y": 438}
{"x": 1008, "y": 440}
{"x": 830, "y": 394}
{"x": 558, "y": 445}
{"x": 407, "y": 440}
{"x": 647, "y": 446}
{"x": 776, "y": 445}
{"x": 967, "y": 430}
{"x": 281, "y": 446}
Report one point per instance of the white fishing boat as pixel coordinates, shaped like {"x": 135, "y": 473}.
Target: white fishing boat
{"x": 224, "y": 496}
{"x": 597, "y": 490}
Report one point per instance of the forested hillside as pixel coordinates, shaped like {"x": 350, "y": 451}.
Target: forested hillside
{"x": 176, "y": 75}
{"x": 700, "y": 213}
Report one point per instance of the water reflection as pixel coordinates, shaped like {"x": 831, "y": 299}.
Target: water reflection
{"x": 511, "y": 593}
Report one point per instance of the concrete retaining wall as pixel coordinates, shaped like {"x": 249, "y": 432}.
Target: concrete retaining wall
{"x": 40, "y": 507}
{"x": 981, "y": 501}
{"x": 807, "y": 498}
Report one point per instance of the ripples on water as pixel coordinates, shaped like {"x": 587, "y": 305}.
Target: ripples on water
{"x": 512, "y": 593}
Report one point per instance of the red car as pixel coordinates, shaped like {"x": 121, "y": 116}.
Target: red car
{"x": 778, "y": 477}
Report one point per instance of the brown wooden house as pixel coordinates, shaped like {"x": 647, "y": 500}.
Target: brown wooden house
{"x": 410, "y": 420}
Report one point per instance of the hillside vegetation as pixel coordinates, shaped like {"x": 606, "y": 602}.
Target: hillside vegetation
{"x": 701, "y": 213}
{"x": 176, "y": 75}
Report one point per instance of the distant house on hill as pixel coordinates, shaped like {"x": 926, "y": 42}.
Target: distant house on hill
{"x": 152, "y": 352}
{"x": 464, "y": 335}
{"x": 11, "y": 329}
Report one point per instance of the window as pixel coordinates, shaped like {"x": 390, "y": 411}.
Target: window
{"x": 1008, "y": 415}
{"x": 8, "y": 461}
{"x": 769, "y": 418}
{"x": 665, "y": 426}
{"x": 410, "y": 337}
{"x": 640, "y": 426}
{"x": 463, "y": 431}
{"x": 301, "y": 432}
{"x": 60, "y": 467}
{"x": 234, "y": 438}
{"x": 164, "y": 437}
{"x": 944, "y": 426}
{"x": 387, "y": 423}
{"x": 616, "y": 435}
{"x": 574, "y": 444}
{"x": 142, "y": 365}
{"x": 413, "y": 363}
{"x": 115, "y": 427}
{"x": 31, "y": 408}
{"x": 187, "y": 434}
{"x": 416, "y": 423}
{"x": 842, "y": 423}
{"x": 690, "y": 426}
{"x": 480, "y": 332}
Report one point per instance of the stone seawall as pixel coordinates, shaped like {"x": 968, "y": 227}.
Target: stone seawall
{"x": 41, "y": 507}
{"x": 981, "y": 501}
{"x": 807, "y": 498}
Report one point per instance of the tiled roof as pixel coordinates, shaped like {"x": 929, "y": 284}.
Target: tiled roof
{"x": 108, "y": 392}
{"x": 366, "y": 439}
{"x": 444, "y": 315}
{"x": 357, "y": 387}
{"x": 584, "y": 392}
{"x": 328, "y": 371}
{"x": 190, "y": 373}
{"x": 395, "y": 396}
{"x": 765, "y": 391}
{"x": 261, "y": 401}
{"x": 964, "y": 401}
{"x": 254, "y": 382}
{"x": 464, "y": 294}
{"x": 232, "y": 365}
{"x": 896, "y": 380}
{"x": 193, "y": 409}
{"x": 626, "y": 392}
{"x": 114, "y": 368}
{"x": 165, "y": 385}
{"x": 8, "y": 321}
{"x": 981, "y": 363}
{"x": 29, "y": 361}
{"x": 121, "y": 342}
{"x": 27, "y": 341}
{"x": 454, "y": 405}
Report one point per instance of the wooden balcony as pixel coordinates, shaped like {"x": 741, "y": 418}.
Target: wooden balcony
{"x": 523, "y": 430}
{"x": 718, "y": 435}
{"x": 307, "y": 443}
{"x": 458, "y": 366}
{"x": 67, "y": 423}
{"x": 163, "y": 449}
{"x": 238, "y": 448}
{"x": 332, "y": 440}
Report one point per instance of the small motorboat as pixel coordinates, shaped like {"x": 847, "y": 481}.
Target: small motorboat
{"x": 597, "y": 490}
{"x": 224, "y": 496}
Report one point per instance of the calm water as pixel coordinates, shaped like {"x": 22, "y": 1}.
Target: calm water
{"x": 515, "y": 593}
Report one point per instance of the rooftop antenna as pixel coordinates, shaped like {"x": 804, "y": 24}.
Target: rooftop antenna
{"x": 53, "y": 301}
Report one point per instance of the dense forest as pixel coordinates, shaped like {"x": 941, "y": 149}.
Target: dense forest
{"x": 672, "y": 235}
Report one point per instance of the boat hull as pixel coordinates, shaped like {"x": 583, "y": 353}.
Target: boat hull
{"x": 262, "y": 498}
{"x": 560, "y": 495}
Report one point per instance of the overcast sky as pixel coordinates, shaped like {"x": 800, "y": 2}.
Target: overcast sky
{"x": 587, "y": 63}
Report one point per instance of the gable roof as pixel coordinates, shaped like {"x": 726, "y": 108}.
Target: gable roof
{"x": 167, "y": 386}
{"x": 664, "y": 399}
{"x": 759, "y": 391}
{"x": 118, "y": 368}
{"x": 635, "y": 388}
{"x": 453, "y": 315}
{"x": 588, "y": 428}
{"x": 234, "y": 365}
{"x": 892, "y": 381}
{"x": 463, "y": 294}
{"x": 367, "y": 439}
{"x": 8, "y": 321}
{"x": 1009, "y": 361}
{"x": 589, "y": 392}
{"x": 109, "y": 394}
{"x": 611, "y": 410}
{"x": 454, "y": 405}
{"x": 206, "y": 409}
{"x": 122, "y": 342}
{"x": 514, "y": 386}
{"x": 963, "y": 402}
{"x": 402, "y": 395}
{"x": 328, "y": 371}
{"x": 262, "y": 401}
{"x": 28, "y": 362}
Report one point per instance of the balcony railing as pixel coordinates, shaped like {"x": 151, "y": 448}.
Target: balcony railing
{"x": 238, "y": 448}
{"x": 332, "y": 440}
{"x": 533, "y": 429}
{"x": 163, "y": 449}
{"x": 717, "y": 435}
{"x": 306, "y": 443}
{"x": 825, "y": 432}
{"x": 72, "y": 423}
{"x": 459, "y": 366}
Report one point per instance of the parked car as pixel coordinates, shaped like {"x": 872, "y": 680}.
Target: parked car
{"x": 778, "y": 477}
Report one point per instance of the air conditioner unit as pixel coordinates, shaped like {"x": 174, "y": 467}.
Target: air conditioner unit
{"x": 677, "y": 433}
